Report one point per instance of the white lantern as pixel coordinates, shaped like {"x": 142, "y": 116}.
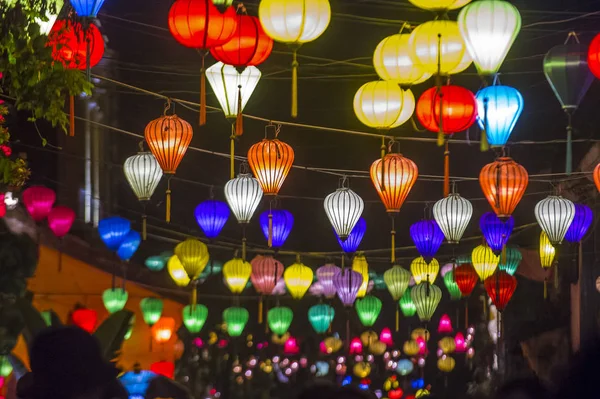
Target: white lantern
{"x": 393, "y": 61}
{"x": 489, "y": 28}
{"x": 343, "y": 208}
{"x": 143, "y": 173}
{"x": 453, "y": 214}
{"x": 243, "y": 194}
{"x": 228, "y": 85}
{"x": 554, "y": 214}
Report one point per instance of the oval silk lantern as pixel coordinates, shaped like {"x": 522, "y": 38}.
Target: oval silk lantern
{"x": 453, "y": 214}
{"x": 393, "y": 178}
{"x": 235, "y": 319}
{"x": 60, "y": 220}
{"x": 547, "y": 251}
{"x": 243, "y": 194}
{"x": 555, "y": 214}
{"x": 510, "y": 262}
{"x": 298, "y": 278}
{"x": 496, "y": 231}
{"x": 162, "y": 330}
{"x": 266, "y": 272}
{"x": 211, "y": 216}
{"x": 368, "y": 309}
{"x": 439, "y": 5}
{"x": 498, "y": 109}
{"x": 449, "y": 109}
{"x": 407, "y": 306}
{"x": 343, "y": 208}
{"x": 579, "y": 226}
{"x": 452, "y": 286}
{"x": 114, "y": 299}
{"x": 445, "y": 364}
{"x": 393, "y": 61}
{"x": 594, "y": 56}
{"x": 193, "y": 255}
{"x": 427, "y": 236}
{"x": 325, "y": 275}
{"x": 423, "y": 271}
{"x": 129, "y": 246}
{"x": 69, "y": 42}
{"x": 87, "y": 8}
{"x": 396, "y": 280}
{"x": 501, "y": 287}
{"x": 249, "y": 45}
{"x": 113, "y": 230}
{"x": 485, "y": 261}
{"x": 466, "y": 278}
{"x": 597, "y": 176}
{"x": 276, "y": 226}
{"x": 85, "y": 319}
{"x": 279, "y": 319}
{"x": 194, "y": 317}
{"x": 168, "y": 138}
{"x": 503, "y": 183}
{"x": 271, "y": 161}
{"x": 360, "y": 265}
{"x": 151, "y": 310}
{"x": 347, "y": 284}
{"x": 380, "y": 105}
{"x": 426, "y": 298}
{"x": 143, "y": 173}
{"x": 236, "y": 273}
{"x": 320, "y": 317}
{"x": 38, "y": 201}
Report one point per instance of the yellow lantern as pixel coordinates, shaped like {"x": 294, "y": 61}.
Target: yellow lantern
{"x": 237, "y": 272}
{"x": 280, "y": 339}
{"x": 423, "y": 271}
{"x": 380, "y": 105}
{"x": 333, "y": 344}
{"x": 298, "y": 278}
{"x": 420, "y": 333}
{"x": 193, "y": 255}
{"x": 447, "y": 345}
{"x": 464, "y": 63}
{"x": 368, "y": 337}
{"x": 377, "y": 348}
{"x": 547, "y": 251}
{"x": 426, "y": 41}
{"x": 177, "y": 272}
{"x": 393, "y": 61}
{"x": 484, "y": 261}
{"x": 362, "y": 369}
{"x": 360, "y": 265}
{"x": 440, "y": 5}
{"x": 410, "y": 348}
{"x": 446, "y": 364}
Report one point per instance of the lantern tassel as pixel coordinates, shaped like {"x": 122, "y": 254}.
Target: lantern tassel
{"x": 270, "y": 229}
{"x": 295, "y": 85}
{"x": 397, "y": 319}
{"x": 446, "y": 170}
{"x": 243, "y": 242}
{"x": 556, "y": 276}
{"x": 239, "y": 121}
{"x": 569, "y": 158}
{"x": 71, "y": 115}
{"x": 144, "y": 230}
{"x": 168, "y": 202}
{"x": 393, "y": 234}
{"x": 202, "y": 94}
{"x": 232, "y": 155}
{"x": 260, "y": 310}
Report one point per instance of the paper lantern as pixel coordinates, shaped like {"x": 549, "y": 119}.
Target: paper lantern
{"x": 579, "y": 226}
{"x": 350, "y": 245}
{"x": 446, "y": 364}
{"x": 427, "y": 236}
{"x": 235, "y": 319}
{"x": 360, "y": 265}
{"x": 343, "y": 208}
{"x": 168, "y": 138}
{"x": 380, "y": 104}
{"x": 423, "y": 271}
{"x": 407, "y": 306}
{"x": 237, "y": 273}
{"x": 249, "y": 45}
{"x": 243, "y": 195}
{"x": 485, "y": 261}
{"x": 193, "y": 255}
{"x": 298, "y": 279}
{"x": 211, "y": 215}
{"x": 114, "y": 299}
{"x": 503, "y": 183}
{"x": 489, "y": 29}
{"x": 129, "y": 246}
{"x": 511, "y": 260}
{"x": 279, "y": 319}
{"x": 593, "y": 58}
{"x": 60, "y": 220}
{"x": 177, "y": 272}
{"x": 143, "y": 173}
{"x": 151, "y": 310}
{"x": 396, "y": 280}
{"x": 85, "y": 319}
{"x": 320, "y": 317}
{"x": 69, "y": 41}
{"x": 597, "y": 176}
{"x": 347, "y": 283}
{"x": 368, "y": 309}
{"x": 454, "y": 106}
{"x": 555, "y": 214}
{"x": 232, "y": 87}
{"x": 393, "y": 61}
{"x": 38, "y": 201}
{"x": 325, "y": 275}
{"x": 405, "y": 367}
{"x": 436, "y": 42}
{"x": 439, "y": 5}
{"x": 495, "y": 230}
{"x": 266, "y": 272}
{"x": 453, "y": 214}
{"x": 87, "y": 8}
{"x": 164, "y": 368}
{"x": 162, "y": 330}
{"x": 547, "y": 251}
{"x": 386, "y": 336}
{"x": 452, "y": 286}
{"x": 394, "y": 182}
{"x": 498, "y": 109}
{"x": 426, "y": 298}
{"x": 466, "y": 278}
{"x": 113, "y": 230}
{"x": 194, "y": 317}
{"x": 501, "y": 287}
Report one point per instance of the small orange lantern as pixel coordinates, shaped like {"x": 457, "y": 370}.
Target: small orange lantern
{"x": 271, "y": 161}
{"x": 503, "y": 183}
{"x": 597, "y": 176}
{"x": 395, "y": 181}
{"x": 163, "y": 330}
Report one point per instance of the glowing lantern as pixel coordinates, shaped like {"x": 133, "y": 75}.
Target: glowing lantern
{"x": 426, "y": 298}
{"x": 325, "y": 275}
{"x": 343, "y": 208}
{"x": 362, "y": 369}
{"x": 547, "y": 251}
{"x": 453, "y": 214}
{"x": 85, "y": 319}
{"x": 439, "y": 5}
{"x": 193, "y": 255}
{"x": 350, "y": 245}
{"x": 410, "y": 348}
{"x": 460, "y": 344}
{"x": 424, "y": 272}
{"x": 437, "y": 42}
{"x": 449, "y": 109}
{"x": 446, "y": 364}
{"x": 420, "y": 334}
{"x": 87, "y": 8}
{"x": 498, "y": 109}
{"x": 211, "y": 216}
{"x": 597, "y": 176}
{"x": 466, "y": 278}
{"x": 114, "y": 299}
{"x": 447, "y": 345}
{"x": 168, "y": 138}
{"x": 393, "y": 61}
{"x": 360, "y": 265}
{"x": 298, "y": 279}
{"x": 237, "y": 273}
{"x": 510, "y": 262}
{"x": 405, "y": 367}
{"x": 279, "y": 319}
{"x": 445, "y": 325}
{"x": 70, "y": 43}
{"x": 485, "y": 261}
{"x": 555, "y": 214}
{"x": 407, "y": 306}
{"x": 394, "y": 182}
{"x": 243, "y": 195}
{"x": 290, "y": 347}
{"x": 347, "y": 284}
{"x": 194, "y": 317}
{"x": 235, "y": 318}
{"x": 177, "y": 272}
{"x": 164, "y": 368}
{"x": 60, "y": 220}
{"x": 113, "y": 230}
{"x": 501, "y": 288}
{"x": 380, "y": 105}
{"x": 396, "y": 280}
{"x": 5, "y": 367}
{"x": 356, "y": 346}
{"x": 271, "y": 161}
{"x": 249, "y": 46}
{"x": 495, "y": 230}
{"x": 162, "y": 330}
{"x": 332, "y": 345}
{"x": 368, "y": 309}
{"x": 386, "y": 336}
{"x": 39, "y": 201}
{"x": 368, "y": 337}
{"x": 151, "y": 310}
{"x": 320, "y": 317}
{"x": 427, "y": 236}
{"x": 266, "y": 271}
{"x": 129, "y": 245}
{"x": 276, "y": 226}
{"x": 452, "y": 286}
{"x": 579, "y": 226}
{"x": 155, "y": 263}
{"x": 143, "y": 173}
{"x": 593, "y": 59}
{"x": 503, "y": 183}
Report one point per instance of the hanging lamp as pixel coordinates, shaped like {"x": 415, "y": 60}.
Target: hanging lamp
{"x": 427, "y": 236}
{"x": 510, "y": 262}
{"x": 351, "y": 244}
{"x": 298, "y": 278}
{"x": 276, "y": 226}
{"x": 360, "y": 265}
{"x": 343, "y": 208}
{"x": 320, "y": 317}
{"x": 452, "y": 286}
{"x": 500, "y": 288}
{"x": 407, "y": 306}
{"x": 236, "y": 273}
{"x": 426, "y": 298}
{"x": 495, "y": 230}
{"x": 396, "y": 280}
{"x": 579, "y": 226}
{"x": 235, "y": 319}
{"x": 424, "y": 272}
{"x": 547, "y": 254}
{"x": 193, "y": 255}
{"x": 129, "y": 246}
{"x": 113, "y": 230}
{"x": 380, "y": 105}
{"x": 394, "y": 62}
{"x": 163, "y": 329}
{"x": 271, "y": 161}
{"x": 466, "y": 278}
{"x": 211, "y": 215}
{"x": 368, "y": 309}
{"x": 152, "y": 309}
{"x": 498, "y": 110}
{"x": 38, "y": 201}
{"x": 485, "y": 261}
{"x": 453, "y": 214}
{"x": 114, "y": 299}
{"x": 325, "y": 275}
{"x": 194, "y": 317}
{"x": 347, "y": 283}
{"x": 503, "y": 183}
{"x": 266, "y": 273}
{"x": 555, "y": 214}
{"x": 279, "y": 319}
{"x": 60, "y": 221}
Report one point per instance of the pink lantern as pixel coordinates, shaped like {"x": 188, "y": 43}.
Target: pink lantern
{"x": 356, "y": 347}
{"x": 422, "y": 345}
{"x": 445, "y": 326}
{"x": 386, "y": 336}
{"x": 198, "y": 342}
{"x": 2, "y": 206}
{"x": 39, "y": 201}
{"x": 291, "y": 346}
{"x": 460, "y": 343}
{"x": 323, "y": 348}
{"x": 60, "y": 220}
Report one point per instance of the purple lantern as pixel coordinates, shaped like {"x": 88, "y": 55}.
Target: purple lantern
{"x": 325, "y": 275}
{"x": 211, "y": 216}
{"x": 347, "y": 284}
{"x": 495, "y": 230}
{"x": 427, "y": 236}
{"x": 354, "y": 238}
{"x": 580, "y": 224}
{"x": 282, "y": 223}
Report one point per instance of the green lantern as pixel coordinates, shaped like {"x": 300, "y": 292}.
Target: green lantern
{"x": 194, "y": 317}
{"x": 235, "y": 318}
{"x": 155, "y": 263}
{"x": 510, "y": 262}
{"x": 451, "y": 285}
{"x": 320, "y": 317}
{"x": 151, "y": 310}
{"x": 368, "y": 309}
{"x": 426, "y": 298}
{"x": 407, "y": 306}
{"x": 279, "y": 319}
{"x": 130, "y": 329}
{"x": 5, "y": 366}
{"x": 396, "y": 280}
{"x": 47, "y": 316}
{"x": 114, "y": 299}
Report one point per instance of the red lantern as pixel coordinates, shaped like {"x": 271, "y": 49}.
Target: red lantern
{"x": 39, "y": 201}
{"x": 466, "y": 278}
{"x": 454, "y": 106}
{"x": 85, "y": 319}
{"x": 69, "y": 42}
{"x": 593, "y": 59}
{"x": 500, "y": 287}
{"x": 164, "y": 368}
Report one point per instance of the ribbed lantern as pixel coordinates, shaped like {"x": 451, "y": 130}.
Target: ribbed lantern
{"x": 510, "y": 262}
{"x": 489, "y": 28}
{"x": 211, "y": 215}
{"x": 168, "y": 138}
{"x": 393, "y": 61}
{"x": 439, "y": 5}
{"x": 193, "y": 255}
{"x": 394, "y": 182}
{"x": 276, "y": 226}
{"x": 597, "y": 176}
{"x": 271, "y": 161}
{"x": 426, "y": 298}
{"x": 466, "y": 278}
{"x": 266, "y": 271}
{"x": 343, "y": 208}
{"x": 87, "y": 8}
{"x": 347, "y": 283}
{"x": 177, "y": 272}
{"x": 360, "y": 265}
{"x": 38, "y": 201}
{"x": 235, "y": 319}
{"x": 129, "y": 246}
{"x": 547, "y": 251}
{"x": 427, "y": 236}
{"x": 368, "y": 309}
{"x": 350, "y": 245}
{"x": 249, "y": 46}
{"x": 452, "y": 286}
{"x": 69, "y": 41}
{"x": 243, "y": 195}
{"x": 194, "y": 317}
{"x": 501, "y": 287}
{"x": 503, "y": 183}
{"x": 60, "y": 220}
{"x": 151, "y": 310}
{"x": 113, "y": 230}
{"x": 320, "y": 317}
{"x": 495, "y": 230}
{"x": 498, "y": 109}
{"x": 485, "y": 261}
{"x": 114, "y": 299}
{"x": 396, "y": 280}
{"x": 237, "y": 273}
{"x": 163, "y": 330}
{"x": 407, "y": 306}
{"x": 449, "y": 109}
{"x": 143, "y": 173}
{"x": 453, "y": 214}
{"x": 298, "y": 278}
{"x": 423, "y": 271}
{"x": 555, "y": 214}
{"x": 325, "y": 275}
{"x": 446, "y": 364}
{"x": 579, "y": 226}
{"x": 593, "y": 59}
{"x": 380, "y": 105}
{"x": 279, "y": 319}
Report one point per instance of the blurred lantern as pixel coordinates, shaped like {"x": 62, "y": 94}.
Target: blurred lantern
{"x": 211, "y": 216}
{"x": 426, "y": 298}
{"x": 495, "y": 230}
{"x": 271, "y": 161}
{"x": 320, "y": 317}
{"x": 394, "y": 62}
{"x": 449, "y": 109}
{"x": 420, "y": 333}
{"x": 407, "y": 306}
{"x": 325, "y": 275}
{"x": 566, "y": 69}
{"x": 362, "y": 369}
{"x": 76, "y": 46}
{"x": 394, "y": 182}
{"x": 294, "y": 22}
{"x": 446, "y": 364}
{"x": 360, "y": 265}
{"x": 485, "y": 261}
{"x": 427, "y": 236}
{"x": 355, "y": 347}
{"x": 151, "y": 310}
{"x": 298, "y": 278}
{"x": 501, "y": 287}
{"x": 447, "y": 345}
{"x": 579, "y": 226}
{"x": 462, "y": 259}
{"x": 453, "y": 214}
{"x": 60, "y": 220}
{"x": 452, "y": 286}
{"x": 243, "y": 195}
{"x": 437, "y": 46}
{"x": 290, "y": 346}
{"x": 594, "y": 56}
{"x": 177, "y": 272}
{"x": 386, "y": 336}
{"x": 487, "y": 25}
{"x": 350, "y": 245}
{"x": 597, "y": 176}
{"x": 50, "y": 17}
{"x": 555, "y": 214}
{"x": 445, "y": 325}
{"x": 39, "y": 201}
{"x": 503, "y": 183}
{"x": 87, "y": 8}
{"x": 343, "y": 208}
{"x": 85, "y": 319}
{"x": 194, "y": 317}
{"x": 439, "y": 5}
{"x": 266, "y": 272}
{"x": 276, "y": 226}
{"x": 511, "y": 260}
{"x": 113, "y": 231}
{"x": 114, "y": 299}
{"x": 405, "y": 367}
{"x": 164, "y": 368}
{"x": 396, "y": 280}
{"x": 368, "y": 309}
{"x": 279, "y": 319}
{"x": 459, "y": 343}
{"x": 235, "y": 319}
{"x": 424, "y": 272}
{"x": 466, "y": 278}
{"x": 332, "y": 344}
{"x": 162, "y": 330}
{"x": 237, "y": 273}
{"x": 222, "y": 5}
{"x": 410, "y": 348}
{"x": 129, "y": 245}
{"x": 193, "y": 255}
{"x": 380, "y": 105}
{"x": 5, "y": 367}
{"x": 347, "y": 284}
{"x": 377, "y": 348}
{"x": 498, "y": 109}
{"x": 547, "y": 251}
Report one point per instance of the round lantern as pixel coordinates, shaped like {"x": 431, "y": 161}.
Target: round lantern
{"x": 386, "y": 336}
{"x": 87, "y": 8}
{"x": 151, "y": 310}
{"x": 498, "y": 109}
{"x": 69, "y": 42}
{"x": 143, "y": 173}
{"x": 579, "y": 226}
{"x": 276, "y": 226}
{"x": 350, "y": 245}
{"x": 236, "y": 273}
{"x": 380, "y": 105}
{"x": 511, "y": 260}
{"x": 243, "y": 195}
{"x": 393, "y": 61}
{"x": 489, "y": 28}
{"x": 452, "y": 286}
{"x": 447, "y": 345}
{"x": 427, "y": 236}
{"x": 439, "y": 5}
{"x": 279, "y": 319}
{"x": 501, "y": 287}
{"x": 547, "y": 251}
{"x": 129, "y": 246}
{"x": 495, "y": 230}
{"x": 249, "y": 45}
{"x": 199, "y": 24}
{"x": 298, "y": 279}
{"x": 177, "y": 272}
{"x": 85, "y": 319}
{"x": 593, "y": 59}
{"x": 325, "y": 275}
{"x": 394, "y": 182}
{"x": 438, "y": 42}
{"x": 360, "y": 265}
{"x": 162, "y": 330}
{"x": 449, "y": 109}
{"x": 271, "y": 161}
{"x": 114, "y": 299}
{"x": 211, "y": 216}
{"x": 555, "y": 214}
{"x": 155, "y": 263}
{"x": 168, "y": 138}
{"x": 194, "y": 317}
{"x": 485, "y": 261}
{"x": 193, "y": 255}
{"x": 320, "y": 317}
{"x": 466, "y": 278}
{"x": 405, "y": 367}
{"x": 368, "y": 309}
{"x": 39, "y": 201}
{"x": 503, "y": 183}
{"x": 407, "y": 306}
{"x": 426, "y": 298}
{"x": 396, "y": 280}
{"x": 424, "y": 272}
{"x": 347, "y": 284}
{"x": 266, "y": 271}
{"x": 453, "y": 214}
{"x": 410, "y": 348}
{"x": 362, "y": 369}
{"x": 113, "y": 230}
{"x": 60, "y": 220}
{"x": 446, "y": 364}
{"x": 235, "y": 318}
{"x": 343, "y": 208}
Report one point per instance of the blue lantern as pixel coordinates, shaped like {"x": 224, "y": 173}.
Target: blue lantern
{"x": 129, "y": 245}
{"x": 282, "y": 224}
{"x": 580, "y": 224}
{"x": 427, "y": 236}
{"x": 417, "y": 383}
{"x": 211, "y": 216}
{"x": 354, "y": 238}
{"x": 495, "y": 230}
{"x": 87, "y": 8}
{"x": 405, "y": 367}
{"x": 137, "y": 383}
{"x": 113, "y": 230}
{"x": 504, "y": 106}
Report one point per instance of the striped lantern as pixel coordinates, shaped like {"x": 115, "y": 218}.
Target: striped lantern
{"x": 243, "y": 195}
{"x": 453, "y": 214}
{"x": 343, "y": 208}
{"x": 555, "y": 214}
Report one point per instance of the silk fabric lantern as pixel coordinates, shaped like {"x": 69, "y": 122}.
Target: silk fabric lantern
{"x": 271, "y": 161}
{"x": 237, "y": 273}
{"x": 405, "y": 367}
{"x": 320, "y": 317}
{"x": 593, "y": 59}
{"x": 547, "y": 251}
{"x": 114, "y": 299}
{"x": 426, "y": 298}
{"x": 503, "y": 183}
{"x": 380, "y": 105}
{"x": 424, "y": 272}
{"x": 438, "y": 46}
{"x": 163, "y": 368}
{"x": 498, "y": 109}
{"x": 343, "y": 208}
{"x": 194, "y": 317}
{"x": 597, "y": 176}
{"x": 279, "y": 319}
{"x": 466, "y": 278}
{"x": 485, "y": 261}
{"x": 113, "y": 230}
{"x": 445, "y": 327}
{"x": 427, "y": 236}
{"x": 407, "y": 306}
{"x": 394, "y": 182}
{"x": 439, "y": 5}
{"x": 162, "y": 330}
{"x": 69, "y": 41}
{"x": 38, "y": 201}
{"x": 393, "y": 61}
{"x": 325, "y": 275}
{"x": 177, "y": 272}
{"x": 60, "y": 220}
{"x": 396, "y": 280}
{"x": 448, "y": 109}
{"x": 249, "y": 45}
{"x": 243, "y": 195}
{"x": 555, "y": 214}
{"x": 511, "y": 260}
{"x": 496, "y": 231}
{"x": 266, "y": 271}
{"x": 452, "y": 286}
{"x": 143, "y": 173}
{"x": 579, "y": 226}
{"x": 501, "y": 287}
{"x": 151, "y": 310}
{"x": 360, "y": 265}
{"x": 350, "y": 245}
{"x": 211, "y": 216}
{"x": 235, "y": 319}
{"x": 347, "y": 283}
{"x": 193, "y": 255}
{"x": 446, "y": 364}
{"x": 368, "y": 309}
{"x": 85, "y": 319}
{"x": 453, "y": 214}
{"x": 129, "y": 245}
{"x": 298, "y": 278}
{"x": 276, "y": 226}
{"x": 87, "y": 8}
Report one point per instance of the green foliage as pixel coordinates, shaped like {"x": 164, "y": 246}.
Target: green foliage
{"x": 34, "y": 322}
{"x": 111, "y": 333}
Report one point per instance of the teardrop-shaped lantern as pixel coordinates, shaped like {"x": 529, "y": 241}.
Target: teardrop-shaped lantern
{"x": 597, "y": 176}
{"x": 423, "y": 271}
{"x": 453, "y": 214}
{"x": 396, "y": 280}
{"x": 60, "y": 220}
{"x": 279, "y": 319}
{"x": 446, "y": 364}
{"x": 114, "y": 299}
{"x": 325, "y": 275}
{"x": 380, "y": 104}
{"x": 495, "y": 230}
{"x": 485, "y": 261}
{"x": 466, "y": 278}
{"x": 129, "y": 246}
{"x": 343, "y": 208}
{"x": 237, "y": 273}
{"x": 235, "y": 319}
{"x": 320, "y": 317}
{"x": 393, "y": 61}
{"x": 510, "y": 262}
{"x": 368, "y": 309}
{"x": 503, "y": 183}
{"x": 452, "y": 286}
{"x": 547, "y": 251}
{"x": 151, "y": 310}
{"x": 501, "y": 287}
{"x": 193, "y": 255}
{"x": 194, "y": 317}
{"x": 555, "y": 214}
{"x": 38, "y": 201}
{"x": 579, "y": 226}
{"x": 266, "y": 272}
{"x": 277, "y": 224}
{"x": 426, "y": 298}
{"x": 394, "y": 182}
{"x": 271, "y": 161}
{"x": 427, "y": 236}
{"x": 354, "y": 238}
{"x": 168, "y": 138}
{"x": 360, "y": 265}
{"x": 177, "y": 272}
{"x": 243, "y": 195}
{"x": 85, "y": 319}
{"x": 347, "y": 283}
{"x": 498, "y": 109}
{"x": 143, "y": 173}
{"x": 298, "y": 278}
{"x": 211, "y": 215}
{"x": 113, "y": 230}
{"x": 407, "y": 306}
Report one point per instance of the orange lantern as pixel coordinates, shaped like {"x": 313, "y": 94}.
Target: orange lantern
{"x": 503, "y": 183}
{"x": 393, "y": 177}
{"x": 597, "y": 176}
{"x": 271, "y": 161}
{"x": 163, "y": 329}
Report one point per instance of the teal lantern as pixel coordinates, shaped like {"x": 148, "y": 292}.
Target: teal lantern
{"x": 510, "y": 262}
{"x": 451, "y": 285}
{"x": 407, "y": 306}
{"x": 155, "y": 263}
{"x": 194, "y": 317}
{"x": 280, "y": 319}
{"x": 151, "y": 310}
{"x": 320, "y": 317}
{"x": 368, "y": 309}
{"x": 114, "y": 299}
{"x": 235, "y": 318}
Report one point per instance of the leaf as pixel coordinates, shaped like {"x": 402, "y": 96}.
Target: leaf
{"x": 111, "y": 333}
{"x": 34, "y": 322}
